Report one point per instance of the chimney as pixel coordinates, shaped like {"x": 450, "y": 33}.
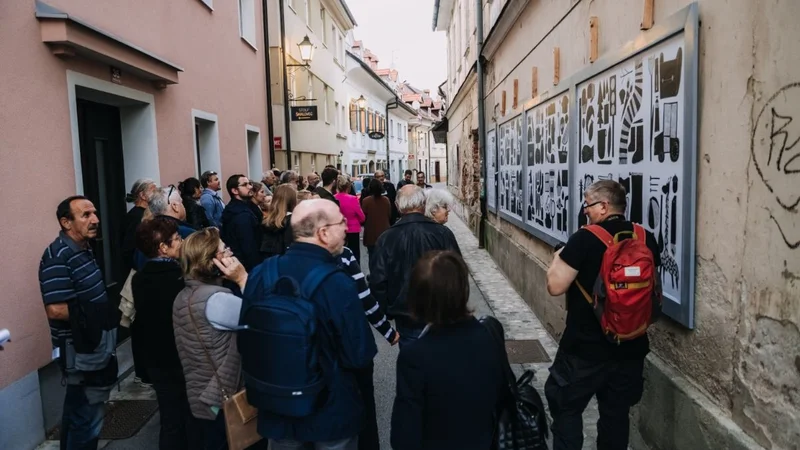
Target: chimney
{"x": 427, "y": 92}
{"x": 393, "y": 75}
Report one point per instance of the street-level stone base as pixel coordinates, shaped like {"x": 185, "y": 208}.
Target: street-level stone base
{"x": 673, "y": 414}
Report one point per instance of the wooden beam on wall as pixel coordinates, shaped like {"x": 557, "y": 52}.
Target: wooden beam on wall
{"x": 515, "y": 101}
{"x": 593, "y": 38}
{"x": 503, "y": 104}
{"x": 534, "y": 82}
{"x": 556, "y": 65}
{"x": 647, "y": 17}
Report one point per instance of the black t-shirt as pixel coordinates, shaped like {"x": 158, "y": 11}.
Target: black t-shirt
{"x": 583, "y": 336}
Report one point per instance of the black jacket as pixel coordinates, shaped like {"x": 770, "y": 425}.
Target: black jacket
{"x": 396, "y": 252}
{"x": 129, "y": 224}
{"x": 195, "y": 214}
{"x": 391, "y": 192}
{"x": 154, "y": 290}
{"x": 242, "y": 231}
{"x": 323, "y": 193}
{"x": 277, "y": 240}
{"x": 449, "y": 384}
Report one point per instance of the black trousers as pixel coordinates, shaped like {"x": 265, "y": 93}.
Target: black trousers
{"x": 574, "y": 381}
{"x": 368, "y": 439}
{"x": 173, "y": 407}
{"x": 353, "y": 242}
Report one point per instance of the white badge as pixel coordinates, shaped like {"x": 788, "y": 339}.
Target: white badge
{"x": 634, "y": 271}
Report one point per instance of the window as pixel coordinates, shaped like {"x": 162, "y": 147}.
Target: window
{"x": 400, "y": 132}
{"x": 336, "y": 42}
{"x": 247, "y": 21}
{"x": 206, "y": 141}
{"x": 391, "y": 130}
{"x": 336, "y": 121}
{"x": 340, "y": 49}
{"x": 370, "y": 120}
{"x": 323, "y": 26}
{"x": 353, "y": 117}
{"x": 362, "y": 120}
{"x": 254, "y": 160}
{"x": 310, "y": 95}
{"x": 308, "y": 13}
{"x": 325, "y": 104}
{"x": 405, "y": 133}
{"x": 341, "y": 117}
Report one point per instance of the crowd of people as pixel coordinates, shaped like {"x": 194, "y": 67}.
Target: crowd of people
{"x": 267, "y": 292}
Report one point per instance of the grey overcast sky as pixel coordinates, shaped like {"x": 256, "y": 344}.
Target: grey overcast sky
{"x": 403, "y": 28}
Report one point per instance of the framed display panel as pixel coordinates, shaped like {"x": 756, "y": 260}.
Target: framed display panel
{"x": 547, "y": 208}
{"x": 635, "y": 122}
{"x": 510, "y": 163}
{"x": 491, "y": 170}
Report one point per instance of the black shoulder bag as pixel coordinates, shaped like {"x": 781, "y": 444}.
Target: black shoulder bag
{"x": 521, "y": 419}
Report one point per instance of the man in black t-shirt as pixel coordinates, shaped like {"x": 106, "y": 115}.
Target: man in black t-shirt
{"x": 587, "y": 364}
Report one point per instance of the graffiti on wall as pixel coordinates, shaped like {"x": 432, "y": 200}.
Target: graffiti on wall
{"x": 630, "y": 129}
{"x": 510, "y": 167}
{"x": 547, "y": 171}
{"x": 775, "y": 149}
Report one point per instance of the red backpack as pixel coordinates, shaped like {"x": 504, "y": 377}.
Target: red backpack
{"x": 627, "y": 295}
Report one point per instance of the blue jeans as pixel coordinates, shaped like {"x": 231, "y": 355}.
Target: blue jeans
{"x": 81, "y": 422}
{"x": 289, "y": 444}
{"x": 407, "y": 335}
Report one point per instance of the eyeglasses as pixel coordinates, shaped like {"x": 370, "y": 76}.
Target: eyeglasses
{"x": 343, "y": 222}
{"x": 178, "y": 238}
{"x": 585, "y": 206}
{"x": 225, "y": 251}
{"x": 249, "y": 183}
{"x": 171, "y": 188}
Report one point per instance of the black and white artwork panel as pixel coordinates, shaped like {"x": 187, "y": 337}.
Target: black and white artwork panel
{"x": 547, "y": 167}
{"x": 630, "y": 124}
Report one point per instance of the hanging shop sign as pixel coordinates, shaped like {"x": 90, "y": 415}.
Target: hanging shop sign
{"x": 375, "y": 135}
{"x": 303, "y": 113}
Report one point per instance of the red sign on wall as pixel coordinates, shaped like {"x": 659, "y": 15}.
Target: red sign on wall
{"x": 277, "y": 142}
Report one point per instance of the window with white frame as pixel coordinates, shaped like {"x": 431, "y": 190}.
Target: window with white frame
{"x": 325, "y": 104}
{"x": 247, "y": 21}
{"x": 391, "y": 128}
{"x": 308, "y": 12}
{"x": 336, "y": 121}
{"x": 323, "y": 25}
{"x": 341, "y": 49}
{"x": 336, "y": 42}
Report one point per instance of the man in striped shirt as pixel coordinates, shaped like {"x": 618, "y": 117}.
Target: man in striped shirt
{"x": 368, "y": 438}
{"x": 82, "y": 322}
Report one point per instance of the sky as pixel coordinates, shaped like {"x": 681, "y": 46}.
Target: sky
{"x": 402, "y": 28}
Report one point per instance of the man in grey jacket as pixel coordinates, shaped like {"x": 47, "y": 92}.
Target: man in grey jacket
{"x": 210, "y": 198}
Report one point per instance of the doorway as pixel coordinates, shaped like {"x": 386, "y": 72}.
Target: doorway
{"x": 437, "y": 173}
{"x": 101, "y": 156}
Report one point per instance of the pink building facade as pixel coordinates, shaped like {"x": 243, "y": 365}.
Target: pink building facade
{"x": 95, "y": 95}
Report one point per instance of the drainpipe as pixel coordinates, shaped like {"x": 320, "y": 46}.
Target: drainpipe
{"x": 270, "y": 119}
{"x": 481, "y": 124}
{"x": 286, "y": 114}
{"x": 391, "y": 105}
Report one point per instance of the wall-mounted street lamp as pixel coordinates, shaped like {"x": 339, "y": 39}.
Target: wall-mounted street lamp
{"x": 306, "y": 50}
{"x": 361, "y": 102}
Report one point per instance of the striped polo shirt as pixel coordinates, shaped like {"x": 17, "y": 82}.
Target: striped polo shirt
{"x": 69, "y": 272}
{"x": 375, "y": 315}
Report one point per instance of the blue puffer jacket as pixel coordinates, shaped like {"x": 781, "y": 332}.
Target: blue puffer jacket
{"x": 337, "y": 298}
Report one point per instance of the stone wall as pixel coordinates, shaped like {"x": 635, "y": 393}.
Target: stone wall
{"x": 743, "y": 357}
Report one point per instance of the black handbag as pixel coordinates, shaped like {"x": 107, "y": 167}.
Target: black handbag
{"x": 521, "y": 421}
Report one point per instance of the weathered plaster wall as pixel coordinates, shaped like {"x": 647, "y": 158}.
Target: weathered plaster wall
{"x": 745, "y": 351}
{"x": 465, "y": 184}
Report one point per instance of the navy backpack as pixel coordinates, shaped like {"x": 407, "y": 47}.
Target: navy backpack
{"x": 282, "y": 358}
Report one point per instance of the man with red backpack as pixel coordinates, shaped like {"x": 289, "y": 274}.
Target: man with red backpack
{"x": 609, "y": 272}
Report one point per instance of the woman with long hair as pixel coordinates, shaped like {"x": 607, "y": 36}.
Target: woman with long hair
{"x": 260, "y": 198}
{"x": 191, "y": 190}
{"x": 377, "y": 212}
{"x": 351, "y": 210}
{"x": 154, "y": 290}
{"x": 204, "y": 317}
{"x": 431, "y": 410}
{"x": 277, "y": 230}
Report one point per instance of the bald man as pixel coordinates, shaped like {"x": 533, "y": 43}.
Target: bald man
{"x": 319, "y": 231}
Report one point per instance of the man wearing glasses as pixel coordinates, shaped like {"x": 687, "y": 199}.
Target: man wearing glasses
{"x": 210, "y": 198}
{"x": 587, "y": 364}
{"x": 241, "y": 225}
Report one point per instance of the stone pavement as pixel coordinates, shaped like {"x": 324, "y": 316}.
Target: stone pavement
{"x": 490, "y": 294}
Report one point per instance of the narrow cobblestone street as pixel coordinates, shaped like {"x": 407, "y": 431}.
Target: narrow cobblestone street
{"x": 490, "y": 294}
